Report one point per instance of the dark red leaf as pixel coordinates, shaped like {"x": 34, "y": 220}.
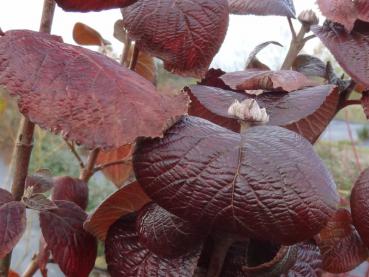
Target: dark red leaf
{"x": 38, "y": 202}
{"x": 212, "y": 79}
{"x": 92, "y": 5}
{"x": 70, "y": 189}
{"x": 12, "y": 225}
{"x": 185, "y": 36}
{"x": 308, "y": 262}
{"x": 201, "y": 172}
{"x": 340, "y": 244}
{"x": 351, "y": 50}
{"x": 165, "y": 234}
{"x": 128, "y": 199}
{"x": 73, "y": 249}
{"x": 265, "y": 7}
{"x": 107, "y": 106}
{"x": 127, "y": 257}
{"x": 365, "y": 103}
{"x": 5, "y": 197}
{"x": 345, "y": 12}
{"x": 307, "y": 112}
{"x": 254, "y": 79}
{"x": 41, "y": 181}
{"x": 235, "y": 260}
{"x": 360, "y": 206}
{"x": 310, "y": 66}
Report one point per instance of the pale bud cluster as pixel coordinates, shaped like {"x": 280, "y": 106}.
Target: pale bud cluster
{"x": 308, "y": 17}
{"x": 249, "y": 110}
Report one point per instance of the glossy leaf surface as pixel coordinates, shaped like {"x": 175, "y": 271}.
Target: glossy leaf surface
{"x": 107, "y": 106}
{"x": 253, "y": 79}
{"x": 340, "y": 244}
{"x": 92, "y": 5}
{"x": 254, "y": 184}
{"x": 351, "y": 50}
{"x": 72, "y": 248}
{"x": 126, "y": 256}
{"x": 70, "y": 189}
{"x": 165, "y": 234}
{"x": 265, "y": 7}
{"x": 128, "y": 199}
{"x": 184, "y": 34}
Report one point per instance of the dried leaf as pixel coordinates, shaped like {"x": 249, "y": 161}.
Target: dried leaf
{"x": 73, "y": 249}
{"x": 12, "y": 225}
{"x": 253, "y": 62}
{"x": 310, "y": 66}
{"x": 116, "y": 173}
{"x": 265, "y": 7}
{"x": 128, "y": 199}
{"x": 340, "y": 244}
{"x": 41, "y": 181}
{"x": 39, "y": 202}
{"x": 107, "y": 107}
{"x": 165, "y": 234}
{"x": 85, "y": 35}
{"x": 70, "y": 189}
{"x": 351, "y": 50}
{"x": 185, "y": 36}
{"x": 200, "y": 172}
{"x": 145, "y": 66}
{"x": 127, "y": 257}
{"x": 253, "y": 79}
{"x": 92, "y": 5}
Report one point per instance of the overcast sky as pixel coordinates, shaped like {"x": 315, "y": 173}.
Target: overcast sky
{"x": 244, "y": 32}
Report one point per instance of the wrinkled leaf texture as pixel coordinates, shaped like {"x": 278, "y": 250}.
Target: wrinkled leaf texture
{"x": 340, "y": 245}
{"x": 310, "y": 66}
{"x": 72, "y": 248}
{"x": 186, "y": 35}
{"x": 265, "y": 7}
{"x": 126, "y": 256}
{"x": 307, "y": 112}
{"x": 345, "y": 12}
{"x": 12, "y": 222}
{"x": 360, "y": 206}
{"x": 166, "y": 234}
{"x": 267, "y": 184}
{"x": 92, "y": 5}
{"x": 70, "y": 189}
{"x": 107, "y": 106}
{"x": 351, "y": 50}
{"x": 253, "y": 79}
{"x": 128, "y": 199}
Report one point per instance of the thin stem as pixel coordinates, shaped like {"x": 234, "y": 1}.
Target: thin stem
{"x": 125, "y": 54}
{"x": 88, "y": 170}
{"x": 218, "y": 256}
{"x": 136, "y": 52}
{"x": 104, "y": 166}
{"x": 357, "y": 158}
{"x": 293, "y": 32}
{"x": 31, "y": 268}
{"x": 351, "y": 102}
{"x": 75, "y": 153}
{"x": 306, "y": 39}
{"x": 24, "y": 144}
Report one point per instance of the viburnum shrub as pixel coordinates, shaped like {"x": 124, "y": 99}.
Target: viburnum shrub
{"x": 226, "y": 182}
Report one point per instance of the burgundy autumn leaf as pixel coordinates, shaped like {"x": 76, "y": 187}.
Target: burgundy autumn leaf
{"x": 340, "y": 245}
{"x": 70, "y": 189}
{"x": 365, "y": 103}
{"x": 120, "y": 172}
{"x": 255, "y": 79}
{"x": 351, "y": 50}
{"x": 128, "y": 199}
{"x": 126, "y": 256}
{"x": 12, "y": 223}
{"x": 5, "y": 197}
{"x": 72, "y": 248}
{"x": 310, "y": 66}
{"x": 85, "y": 35}
{"x": 265, "y": 7}
{"x": 185, "y": 36}
{"x": 92, "y": 5}
{"x": 360, "y": 206}
{"x": 345, "y": 12}
{"x": 200, "y": 172}
{"x": 165, "y": 234}
{"x": 308, "y": 262}
{"x": 108, "y": 106}
{"x": 307, "y": 112}
{"x": 41, "y": 181}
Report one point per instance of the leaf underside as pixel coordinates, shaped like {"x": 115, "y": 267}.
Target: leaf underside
{"x": 265, "y": 7}
{"x": 92, "y": 5}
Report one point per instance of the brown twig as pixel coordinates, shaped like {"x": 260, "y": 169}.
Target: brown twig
{"x": 125, "y": 53}
{"x": 104, "y": 166}
{"x": 293, "y": 32}
{"x": 134, "y": 59}
{"x": 75, "y": 153}
{"x": 24, "y": 144}
{"x": 32, "y": 267}
{"x": 221, "y": 246}
{"x": 351, "y": 102}
{"x": 87, "y": 172}
{"x": 306, "y": 39}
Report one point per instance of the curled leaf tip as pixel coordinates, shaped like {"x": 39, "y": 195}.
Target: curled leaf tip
{"x": 248, "y": 110}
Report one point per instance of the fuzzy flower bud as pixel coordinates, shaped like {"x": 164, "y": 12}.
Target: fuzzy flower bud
{"x": 308, "y": 18}
{"x": 249, "y": 110}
